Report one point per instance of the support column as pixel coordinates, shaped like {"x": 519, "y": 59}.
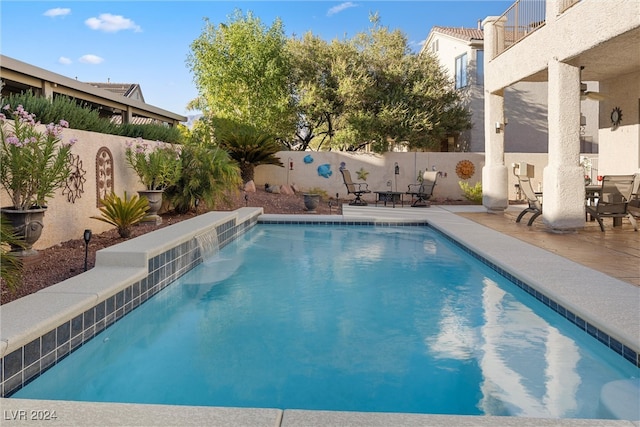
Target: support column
{"x": 563, "y": 178}
{"x": 495, "y": 191}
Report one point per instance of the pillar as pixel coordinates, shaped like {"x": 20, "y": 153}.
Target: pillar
{"x": 563, "y": 178}
{"x": 495, "y": 191}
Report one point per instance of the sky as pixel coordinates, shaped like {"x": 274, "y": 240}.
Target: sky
{"x": 148, "y": 42}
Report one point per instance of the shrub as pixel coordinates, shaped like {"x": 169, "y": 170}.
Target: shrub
{"x": 80, "y": 114}
{"x": 208, "y": 173}
{"x": 123, "y": 213}
{"x": 472, "y": 193}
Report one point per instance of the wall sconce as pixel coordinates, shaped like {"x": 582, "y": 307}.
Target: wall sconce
{"x": 396, "y": 169}
{"x": 290, "y": 160}
{"x": 498, "y": 127}
{"x": 87, "y": 238}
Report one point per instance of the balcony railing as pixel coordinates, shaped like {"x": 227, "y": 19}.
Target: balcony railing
{"x": 566, "y": 4}
{"x": 523, "y": 18}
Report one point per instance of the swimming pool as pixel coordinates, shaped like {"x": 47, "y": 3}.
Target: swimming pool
{"x": 376, "y": 331}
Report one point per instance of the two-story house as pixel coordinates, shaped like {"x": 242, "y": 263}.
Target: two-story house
{"x": 564, "y": 43}
{"x": 460, "y": 51}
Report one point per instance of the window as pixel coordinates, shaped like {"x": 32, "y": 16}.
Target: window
{"x": 434, "y": 46}
{"x": 461, "y": 71}
{"x": 480, "y": 67}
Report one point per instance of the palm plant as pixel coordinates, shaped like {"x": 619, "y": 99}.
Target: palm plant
{"x": 248, "y": 146}
{"x": 123, "y": 213}
{"x": 10, "y": 265}
{"x": 207, "y": 174}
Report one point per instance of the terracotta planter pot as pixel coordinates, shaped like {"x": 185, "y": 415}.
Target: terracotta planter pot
{"x": 27, "y": 225}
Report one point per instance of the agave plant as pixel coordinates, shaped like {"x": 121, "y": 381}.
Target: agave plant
{"x": 123, "y": 213}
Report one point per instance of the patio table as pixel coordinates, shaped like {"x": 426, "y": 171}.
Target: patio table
{"x": 389, "y": 196}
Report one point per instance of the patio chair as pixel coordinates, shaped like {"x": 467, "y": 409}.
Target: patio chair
{"x": 421, "y": 193}
{"x": 534, "y": 199}
{"x": 613, "y": 200}
{"x": 633, "y": 207}
{"x": 355, "y": 188}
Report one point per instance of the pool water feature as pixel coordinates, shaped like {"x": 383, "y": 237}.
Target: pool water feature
{"x": 208, "y": 243}
{"x": 343, "y": 318}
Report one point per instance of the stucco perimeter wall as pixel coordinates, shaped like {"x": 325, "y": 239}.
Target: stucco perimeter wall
{"x": 381, "y": 167}
{"x": 620, "y": 147}
{"x": 66, "y": 219}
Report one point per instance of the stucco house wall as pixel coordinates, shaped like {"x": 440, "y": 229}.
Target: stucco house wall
{"x": 525, "y": 103}
{"x": 67, "y": 219}
{"x": 620, "y": 146}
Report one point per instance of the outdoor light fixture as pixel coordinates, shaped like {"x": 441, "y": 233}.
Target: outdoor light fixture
{"x": 246, "y": 199}
{"x": 498, "y": 127}
{"x": 290, "y": 164}
{"x": 397, "y": 169}
{"x": 87, "y": 238}
{"x": 196, "y": 203}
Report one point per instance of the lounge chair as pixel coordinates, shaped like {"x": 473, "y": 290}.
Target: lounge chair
{"x": 613, "y": 200}
{"x": 421, "y": 193}
{"x": 355, "y": 188}
{"x": 634, "y": 204}
{"x": 534, "y": 199}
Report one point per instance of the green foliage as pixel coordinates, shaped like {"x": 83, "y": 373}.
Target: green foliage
{"x": 241, "y": 70}
{"x": 208, "y": 173}
{"x": 371, "y": 90}
{"x": 472, "y": 193}
{"x": 248, "y": 146}
{"x": 157, "y": 166}
{"x": 123, "y": 213}
{"x": 82, "y": 117}
{"x": 320, "y": 191}
{"x": 10, "y": 265}
{"x": 151, "y": 132}
{"x": 34, "y": 162}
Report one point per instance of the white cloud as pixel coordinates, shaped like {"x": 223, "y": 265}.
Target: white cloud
{"x": 339, "y": 8}
{"x": 58, "y": 11}
{"x": 90, "y": 59}
{"x": 112, "y": 23}
{"x": 64, "y": 60}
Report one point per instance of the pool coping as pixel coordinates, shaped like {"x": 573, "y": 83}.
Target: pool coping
{"x": 509, "y": 254}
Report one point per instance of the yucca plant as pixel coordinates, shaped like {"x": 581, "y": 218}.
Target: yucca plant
{"x": 10, "y": 265}
{"x": 123, "y": 213}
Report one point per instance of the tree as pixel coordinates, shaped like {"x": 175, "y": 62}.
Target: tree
{"x": 241, "y": 71}
{"x": 315, "y": 90}
{"x": 371, "y": 90}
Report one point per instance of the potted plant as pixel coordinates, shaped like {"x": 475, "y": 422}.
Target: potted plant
{"x": 158, "y": 166}
{"x": 312, "y": 199}
{"x": 34, "y": 164}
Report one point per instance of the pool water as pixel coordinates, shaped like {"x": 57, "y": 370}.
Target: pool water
{"x": 355, "y": 318}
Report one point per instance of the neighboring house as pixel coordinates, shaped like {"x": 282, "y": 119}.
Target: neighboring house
{"x": 19, "y": 76}
{"x": 460, "y": 51}
{"x": 128, "y": 90}
{"x": 564, "y": 43}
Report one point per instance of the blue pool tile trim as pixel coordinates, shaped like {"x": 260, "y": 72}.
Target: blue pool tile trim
{"x": 25, "y": 364}
{"x": 627, "y": 353}
{"x": 20, "y": 367}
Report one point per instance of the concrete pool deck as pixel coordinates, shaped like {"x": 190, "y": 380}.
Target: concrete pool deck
{"x": 609, "y": 303}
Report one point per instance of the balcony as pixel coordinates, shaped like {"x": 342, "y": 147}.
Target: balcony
{"x": 523, "y": 18}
